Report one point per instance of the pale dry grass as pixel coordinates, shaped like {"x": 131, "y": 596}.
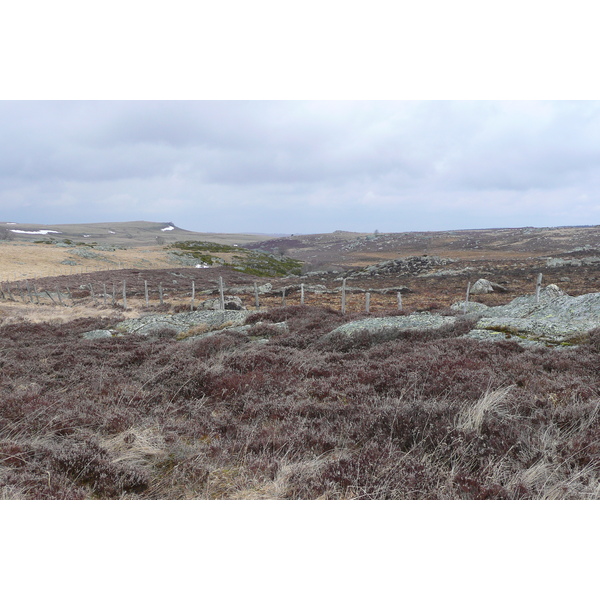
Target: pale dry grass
{"x": 136, "y": 446}
{"x": 11, "y": 313}
{"x": 22, "y": 260}
{"x": 471, "y": 417}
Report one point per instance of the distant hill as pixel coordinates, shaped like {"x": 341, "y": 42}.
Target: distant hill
{"x": 127, "y": 233}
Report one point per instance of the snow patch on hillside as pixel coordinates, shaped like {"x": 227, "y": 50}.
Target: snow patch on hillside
{"x": 40, "y": 232}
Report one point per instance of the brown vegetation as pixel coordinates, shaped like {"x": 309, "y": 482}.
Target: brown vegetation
{"x": 424, "y": 415}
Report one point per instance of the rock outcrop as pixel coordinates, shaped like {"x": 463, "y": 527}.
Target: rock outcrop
{"x": 182, "y": 323}
{"x": 422, "y": 320}
{"x": 231, "y": 303}
{"x": 413, "y": 265}
{"x": 484, "y": 286}
{"x": 556, "y": 318}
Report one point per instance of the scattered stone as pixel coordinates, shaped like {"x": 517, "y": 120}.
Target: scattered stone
{"x": 572, "y": 262}
{"x": 182, "y": 323}
{"x": 413, "y": 265}
{"x": 484, "y": 286}
{"x": 556, "y": 319}
{"x": 472, "y": 307}
{"x": 98, "y": 334}
{"x": 422, "y": 320}
{"x": 231, "y": 303}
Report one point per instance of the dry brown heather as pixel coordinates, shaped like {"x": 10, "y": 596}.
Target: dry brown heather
{"x": 418, "y": 415}
{"x": 413, "y": 416}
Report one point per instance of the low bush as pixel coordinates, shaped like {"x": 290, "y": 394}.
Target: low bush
{"x": 413, "y": 415}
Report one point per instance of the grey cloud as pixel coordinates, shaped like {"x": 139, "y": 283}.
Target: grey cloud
{"x": 272, "y": 158}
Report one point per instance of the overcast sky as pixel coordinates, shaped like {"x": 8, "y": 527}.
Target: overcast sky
{"x": 302, "y": 167}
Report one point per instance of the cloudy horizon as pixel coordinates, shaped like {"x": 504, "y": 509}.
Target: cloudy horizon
{"x": 302, "y": 167}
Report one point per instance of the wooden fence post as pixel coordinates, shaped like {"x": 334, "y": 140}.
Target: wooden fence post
{"x": 302, "y": 294}
{"x": 193, "y": 295}
{"x": 21, "y": 294}
{"x": 146, "y": 293}
{"x": 467, "y": 298}
{"x": 124, "y": 295}
{"x": 399, "y": 295}
{"x": 37, "y": 296}
{"x": 283, "y": 297}
{"x": 114, "y": 294}
{"x": 59, "y": 296}
{"x": 221, "y": 294}
{"x": 92, "y": 292}
{"x": 29, "y": 291}
{"x": 69, "y": 294}
{"x": 344, "y": 296}
{"x": 256, "y": 301}
{"x": 104, "y": 288}
{"x": 160, "y": 293}
{"x": 368, "y": 302}
{"x": 538, "y": 287}
{"x": 50, "y": 296}
{"x": 9, "y": 291}
{"x": 2, "y": 292}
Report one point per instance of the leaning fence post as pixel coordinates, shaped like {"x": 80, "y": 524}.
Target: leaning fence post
{"x": 2, "y": 292}
{"x": 193, "y": 295}
{"x": 50, "y": 296}
{"x": 283, "y": 297}
{"x": 344, "y": 296}
{"x": 104, "y": 288}
{"x": 114, "y": 294}
{"x": 59, "y": 296}
{"x": 29, "y": 291}
{"x": 9, "y": 292}
{"x": 37, "y": 296}
{"x": 399, "y": 295}
{"x": 124, "y": 295}
{"x": 21, "y": 294}
{"x": 467, "y": 298}
{"x": 302, "y": 294}
{"x": 146, "y": 293}
{"x": 221, "y": 294}
{"x": 538, "y": 287}
{"x": 368, "y": 302}
{"x": 92, "y": 293}
{"x": 160, "y": 293}
{"x": 256, "y": 301}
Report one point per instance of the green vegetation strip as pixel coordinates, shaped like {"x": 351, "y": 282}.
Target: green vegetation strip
{"x": 247, "y": 261}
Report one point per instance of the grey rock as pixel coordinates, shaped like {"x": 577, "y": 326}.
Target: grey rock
{"x": 485, "y": 335}
{"x": 182, "y": 323}
{"x": 381, "y": 324}
{"x": 231, "y": 303}
{"x": 472, "y": 307}
{"x": 448, "y": 272}
{"x": 98, "y": 334}
{"x": 484, "y": 286}
{"x": 556, "y": 319}
{"x": 412, "y": 265}
{"x": 572, "y": 262}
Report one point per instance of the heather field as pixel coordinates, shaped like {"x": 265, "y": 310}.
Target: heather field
{"x": 291, "y": 414}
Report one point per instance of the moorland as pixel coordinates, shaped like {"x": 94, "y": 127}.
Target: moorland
{"x": 282, "y": 409}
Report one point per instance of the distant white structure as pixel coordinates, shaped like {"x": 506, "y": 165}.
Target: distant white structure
{"x": 169, "y": 228}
